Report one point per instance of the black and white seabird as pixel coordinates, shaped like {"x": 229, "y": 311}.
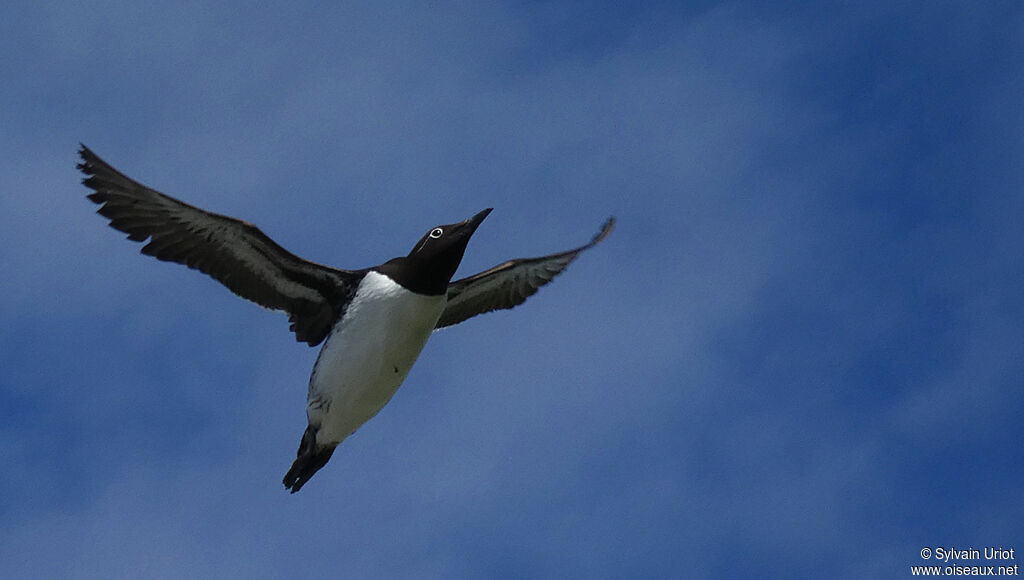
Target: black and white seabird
{"x": 372, "y": 322}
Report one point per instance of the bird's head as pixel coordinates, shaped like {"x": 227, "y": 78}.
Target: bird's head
{"x": 436, "y": 256}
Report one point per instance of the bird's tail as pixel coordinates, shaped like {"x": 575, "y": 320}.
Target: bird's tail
{"x": 310, "y": 459}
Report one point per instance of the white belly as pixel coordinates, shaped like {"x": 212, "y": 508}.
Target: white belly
{"x": 367, "y": 356}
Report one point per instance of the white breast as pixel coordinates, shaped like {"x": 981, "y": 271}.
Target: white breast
{"x": 368, "y": 355}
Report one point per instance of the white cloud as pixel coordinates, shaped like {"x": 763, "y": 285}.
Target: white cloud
{"x": 692, "y": 387}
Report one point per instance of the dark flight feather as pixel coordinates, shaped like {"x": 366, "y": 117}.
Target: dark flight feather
{"x": 234, "y": 252}
{"x": 508, "y": 284}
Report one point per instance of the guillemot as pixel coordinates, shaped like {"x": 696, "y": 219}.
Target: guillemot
{"x": 373, "y": 322}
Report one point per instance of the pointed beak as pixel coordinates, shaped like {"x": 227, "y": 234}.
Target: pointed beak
{"x": 474, "y": 222}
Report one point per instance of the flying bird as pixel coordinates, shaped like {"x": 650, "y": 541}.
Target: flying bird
{"x": 373, "y": 322}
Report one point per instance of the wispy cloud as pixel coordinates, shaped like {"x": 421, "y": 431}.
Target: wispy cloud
{"x": 802, "y": 334}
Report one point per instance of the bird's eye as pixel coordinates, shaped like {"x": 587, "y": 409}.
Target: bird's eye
{"x": 436, "y": 233}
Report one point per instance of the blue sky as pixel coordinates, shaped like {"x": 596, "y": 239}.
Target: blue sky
{"x": 799, "y": 355}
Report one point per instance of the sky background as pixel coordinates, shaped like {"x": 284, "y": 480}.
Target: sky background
{"x": 800, "y": 354}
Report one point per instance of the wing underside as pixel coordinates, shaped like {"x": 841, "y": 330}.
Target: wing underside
{"x": 509, "y": 284}
{"x": 233, "y": 252}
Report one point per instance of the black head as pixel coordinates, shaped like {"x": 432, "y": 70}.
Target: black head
{"x": 430, "y": 265}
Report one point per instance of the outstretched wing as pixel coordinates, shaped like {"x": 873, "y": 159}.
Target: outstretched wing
{"x": 232, "y": 251}
{"x": 509, "y": 284}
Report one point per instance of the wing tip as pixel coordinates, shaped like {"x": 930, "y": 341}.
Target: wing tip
{"x": 606, "y": 229}
{"x": 93, "y": 167}
{"x": 87, "y": 156}
{"x": 97, "y": 170}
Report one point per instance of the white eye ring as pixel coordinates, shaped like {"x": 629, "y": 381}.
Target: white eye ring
{"x": 436, "y": 233}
